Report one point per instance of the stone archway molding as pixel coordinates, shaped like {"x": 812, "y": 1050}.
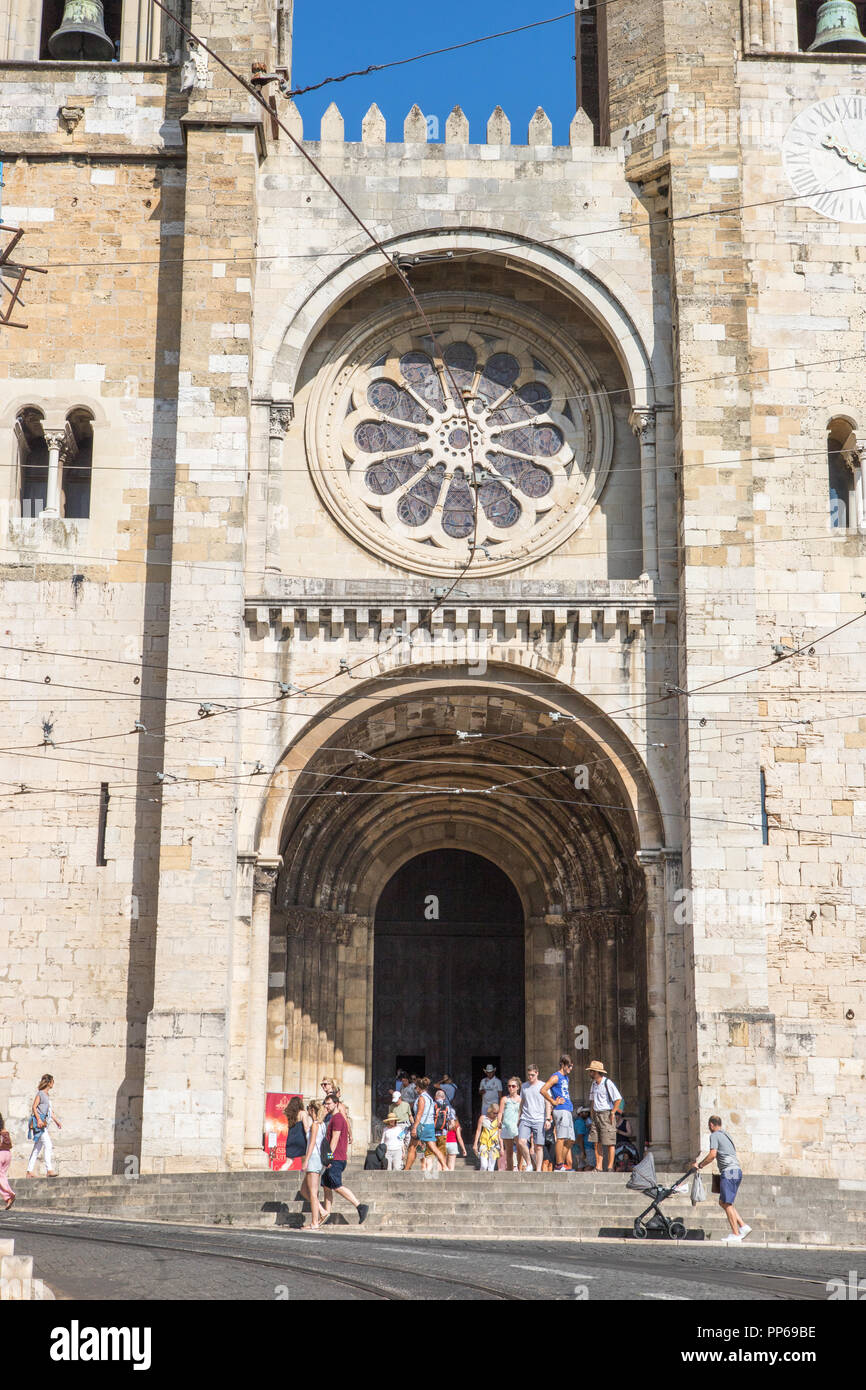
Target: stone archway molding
{"x": 585, "y": 277}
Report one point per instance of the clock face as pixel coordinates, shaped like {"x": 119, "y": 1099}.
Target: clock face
{"x": 825, "y": 157}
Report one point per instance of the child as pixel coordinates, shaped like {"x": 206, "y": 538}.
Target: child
{"x": 486, "y": 1144}
{"x": 392, "y": 1138}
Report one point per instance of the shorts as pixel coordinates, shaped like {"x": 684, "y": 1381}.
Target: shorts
{"x": 602, "y": 1130}
{"x": 564, "y": 1123}
{"x": 531, "y": 1129}
{"x": 333, "y": 1174}
{"x": 426, "y": 1134}
{"x": 451, "y": 1146}
{"x": 729, "y": 1183}
{"x": 314, "y": 1162}
{"x": 442, "y": 1143}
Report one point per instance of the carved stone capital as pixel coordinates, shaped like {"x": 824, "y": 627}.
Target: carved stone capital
{"x": 63, "y": 440}
{"x": 280, "y": 416}
{"x": 265, "y": 877}
{"x": 327, "y": 926}
{"x": 643, "y": 423}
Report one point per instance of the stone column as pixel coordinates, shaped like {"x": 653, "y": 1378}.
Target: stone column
{"x": 643, "y": 423}
{"x": 280, "y": 416}
{"x": 859, "y": 457}
{"x": 264, "y": 882}
{"x": 652, "y": 863}
{"x": 61, "y": 446}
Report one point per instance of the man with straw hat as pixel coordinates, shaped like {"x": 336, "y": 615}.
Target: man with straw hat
{"x": 604, "y": 1102}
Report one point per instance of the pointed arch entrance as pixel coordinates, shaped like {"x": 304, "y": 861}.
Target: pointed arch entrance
{"x": 448, "y": 974}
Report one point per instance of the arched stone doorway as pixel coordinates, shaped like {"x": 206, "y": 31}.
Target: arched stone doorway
{"x": 382, "y": 778}
{"x": 448, "y": 974}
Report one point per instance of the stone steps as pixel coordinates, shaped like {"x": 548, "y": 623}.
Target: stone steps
{"x": 462, "y": 1203}
{"x": 17, "y": 1284}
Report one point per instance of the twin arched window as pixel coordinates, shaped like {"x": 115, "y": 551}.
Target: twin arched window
{"x": 55, "y": 464}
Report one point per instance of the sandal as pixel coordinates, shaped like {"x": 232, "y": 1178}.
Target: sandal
{"x": 9, "y": 1201}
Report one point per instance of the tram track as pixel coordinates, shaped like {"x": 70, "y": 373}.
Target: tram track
{"x": 328, "y": 1275}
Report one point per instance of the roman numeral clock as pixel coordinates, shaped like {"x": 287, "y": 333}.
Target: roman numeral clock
{"x": 824, "y": 153}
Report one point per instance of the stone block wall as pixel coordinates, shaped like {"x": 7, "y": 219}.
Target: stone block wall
{"x": 85, "y": 602}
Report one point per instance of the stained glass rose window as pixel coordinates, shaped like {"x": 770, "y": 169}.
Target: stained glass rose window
{"x": 480, "y": 433}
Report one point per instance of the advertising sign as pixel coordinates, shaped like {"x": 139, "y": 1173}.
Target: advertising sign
{"x": 276, "y": 1130}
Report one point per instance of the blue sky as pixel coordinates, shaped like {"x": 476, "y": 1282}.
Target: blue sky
{"x": 519, "y": 73}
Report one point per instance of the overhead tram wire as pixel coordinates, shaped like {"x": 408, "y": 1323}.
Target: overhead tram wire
{"x": 605, "y": 715}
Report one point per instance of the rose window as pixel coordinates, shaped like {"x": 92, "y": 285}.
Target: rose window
{"x": 476, "y": 434}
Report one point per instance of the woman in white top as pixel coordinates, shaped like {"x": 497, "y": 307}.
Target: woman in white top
{"x": 313, "y": 1163}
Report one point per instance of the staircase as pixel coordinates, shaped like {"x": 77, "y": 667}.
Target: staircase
{"x": 464, "y": 1203}
{"x": 17, "y": 1284}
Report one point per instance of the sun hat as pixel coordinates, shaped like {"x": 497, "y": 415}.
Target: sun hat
{"x": 597, "y": 1066}
{"x": 490, "y": 1067}
{"x": 390, "y": 1119}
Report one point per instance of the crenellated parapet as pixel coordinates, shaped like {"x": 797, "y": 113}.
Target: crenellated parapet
{"x": 419, "y": 129}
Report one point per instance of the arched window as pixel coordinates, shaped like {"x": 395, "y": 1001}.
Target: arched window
{"x": 843, "y": 475}
{"x": 32, "y": 462}
{"x": 78, "y": 470}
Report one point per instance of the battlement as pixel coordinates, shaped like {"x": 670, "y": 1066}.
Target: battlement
{"x": 417, "y": 129}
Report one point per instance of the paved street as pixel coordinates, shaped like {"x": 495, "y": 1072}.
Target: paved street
{"x": 116, "y": 1260}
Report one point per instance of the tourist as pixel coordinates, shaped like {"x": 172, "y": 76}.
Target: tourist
{"x": 401, "y": 1080}
{"x": 723, "y": 1150}
{"x": 423, "y": 1133}
{"x": 509, "y": 1110}
{"x": 533, "y": 1118}
{"x": 489, "y": 1088}
{"x": 454, "y": 1142}
{"x": 409, "y": 1091}
{"x": 486, "y": 1145}
{"x": 392, "y": 1138}
{"x": 41, "y": 1115}
{"x": 298, "y": 1122}
{"x": 449, "y": 1087}
{"x": 401, "y": 1109}
{"x": 626, "y": 1154}
{"x": 313, "y": 1164}
{"x": 581, "y": 1140}
{"x": 5, "y": 1159}
{"x": 555, "y": 1091}
{"x": 336, "y": 1155}
{"x": 442, "y": 1117}
{"x": 604, "y": 1102}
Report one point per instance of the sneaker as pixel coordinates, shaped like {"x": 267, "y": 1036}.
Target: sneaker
{"x": 744, "y": 1231}
{"x": 363, "y": 1210}
{"x": 731, "y": 1240}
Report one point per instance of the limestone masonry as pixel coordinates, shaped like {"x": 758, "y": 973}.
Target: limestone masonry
{"x": 247, "y": 644}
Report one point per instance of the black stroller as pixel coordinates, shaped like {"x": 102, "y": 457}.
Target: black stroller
{"x": 643, "y": 1179}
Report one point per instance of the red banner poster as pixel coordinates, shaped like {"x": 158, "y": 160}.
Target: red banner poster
{"x": 276, "y": 1130}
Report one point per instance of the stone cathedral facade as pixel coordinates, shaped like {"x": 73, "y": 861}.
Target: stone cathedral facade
{"x": 446, "y": 683}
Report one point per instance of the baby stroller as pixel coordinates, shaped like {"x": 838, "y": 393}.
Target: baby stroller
{"x": 643, "y": 1179}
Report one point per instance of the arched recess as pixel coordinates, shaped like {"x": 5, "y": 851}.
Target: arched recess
{"x": 381, "y": 777}
{"x": 585, "y": 277}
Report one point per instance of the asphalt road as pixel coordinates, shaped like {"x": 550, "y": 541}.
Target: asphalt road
{"x": 82, "y": 1258}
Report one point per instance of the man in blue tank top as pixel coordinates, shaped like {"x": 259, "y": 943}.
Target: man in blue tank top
{"x": 556, "y": 1091}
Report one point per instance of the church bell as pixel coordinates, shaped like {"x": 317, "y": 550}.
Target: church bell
{"x": 82, "y": 33}
{"x": 837, "y": 29}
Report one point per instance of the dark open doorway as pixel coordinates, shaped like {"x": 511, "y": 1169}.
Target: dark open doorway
{"x": 448, "y": 978}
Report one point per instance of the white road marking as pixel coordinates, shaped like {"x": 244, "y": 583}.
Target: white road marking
{"x": 563, "y": 1273}
{"x": 670, "y": 1297}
